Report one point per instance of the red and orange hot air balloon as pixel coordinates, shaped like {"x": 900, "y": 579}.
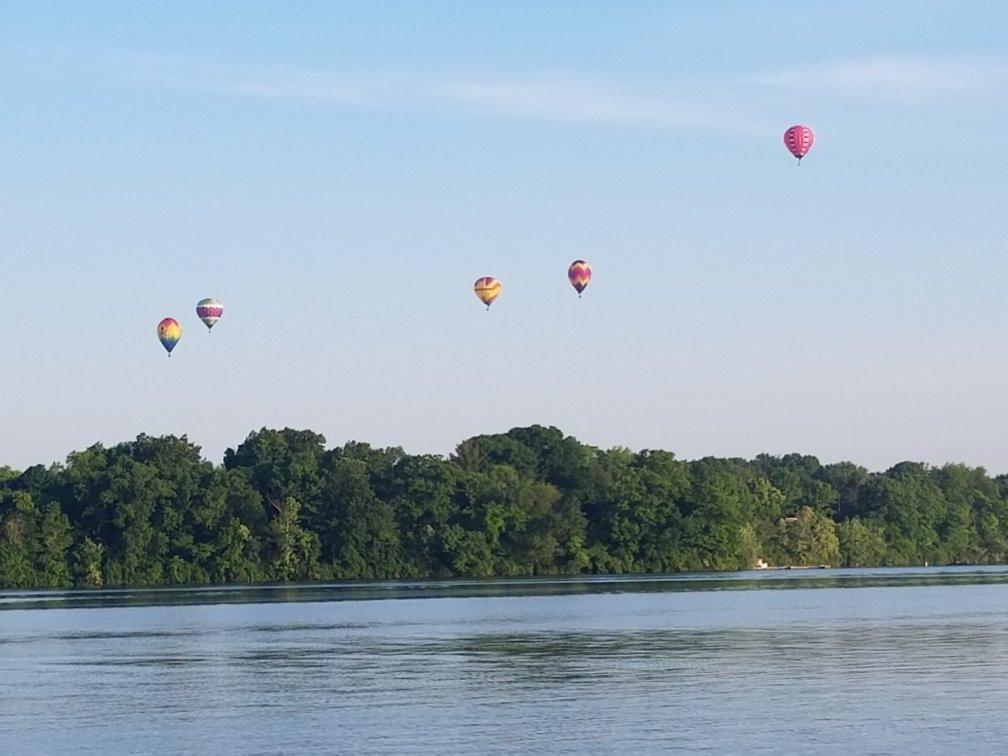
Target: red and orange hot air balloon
{"x": 798, "y": 139}
{"x": 487, "y": 289}
{"x": 579, "y": 274}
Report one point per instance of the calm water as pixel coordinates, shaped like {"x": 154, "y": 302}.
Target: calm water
{"x": 825, "y": 661}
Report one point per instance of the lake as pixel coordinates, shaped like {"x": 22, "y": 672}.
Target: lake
{"x": 811, "y": 661}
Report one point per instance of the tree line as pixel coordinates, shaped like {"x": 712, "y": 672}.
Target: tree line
{"x": 532, "y": 501}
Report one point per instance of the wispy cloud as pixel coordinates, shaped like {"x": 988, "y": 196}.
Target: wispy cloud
{"x": 566, "y": 97}
{"x": 726, "y": 103}
{"x": 546, "y": 95}
{"x": 549, "y": 95}
{"x": 901, "y": 78}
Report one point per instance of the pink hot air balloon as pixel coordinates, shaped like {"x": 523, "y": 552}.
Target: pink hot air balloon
{"x": 579, "y": 274}
{"x": 209, "y": 311}
{"x": 798, "y": 139}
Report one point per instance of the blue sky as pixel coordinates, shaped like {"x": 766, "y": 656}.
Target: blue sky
{"x": 338, "y": 174}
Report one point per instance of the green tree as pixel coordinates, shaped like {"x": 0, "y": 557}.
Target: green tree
{"x": 293, "y": 550}
{"x": 422, "y": 492}
{"x": 529, "y": 501}
{"x": 87, "y": 563}
{"x": 799, "y": 477}
{"x": 910, "y": 505}
{"x": 360, "y": 536}
{"x": 712, "y": 517}
{"x": 18, "y": 542}
{"x": 862, "y": 543}
{"x": 232, "y": 517}
{"x": 969, "y": 494}
{"x": 281, "y": 465}
{"x": 810, "y": 538}
{"x": 846, "y": 479}
{"x": 236, "y": 555}
{"x": 764, "y": 510}
{"x": 55, "y": 539}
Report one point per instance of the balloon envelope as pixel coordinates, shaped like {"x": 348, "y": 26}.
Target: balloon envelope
{"x": 579, "y": 274}
{"x": 168, "y": 333}
{"x": 487, "y": 289}
{"x": 209, "y": 311}
{"x": 798, "y": 139}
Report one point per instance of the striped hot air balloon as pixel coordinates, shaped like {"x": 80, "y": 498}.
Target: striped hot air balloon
{"x": 798, "y": 139}
{"x": 579, "y": 274}
{"x": 487, "y": 289}
{"x": 209, "y": 311}
{"x": 168, "y": 333}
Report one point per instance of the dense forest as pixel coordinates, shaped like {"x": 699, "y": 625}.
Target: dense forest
{"x": 531, "y": 501}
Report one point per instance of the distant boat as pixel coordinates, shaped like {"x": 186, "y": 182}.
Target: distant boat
{"x": 807, "y": 567}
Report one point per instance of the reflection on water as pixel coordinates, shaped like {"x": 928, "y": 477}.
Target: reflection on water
{"x": 553, "y": 586}
{"x": 875, "y": 661}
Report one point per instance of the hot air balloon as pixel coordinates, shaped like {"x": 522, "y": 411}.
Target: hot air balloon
{"x": 798, "y": 139}
{"x": 579, "y": 274}
{"x": 209, "y": 311}
{"x": 487, "y": 289}
{"x": 168, "y": 333}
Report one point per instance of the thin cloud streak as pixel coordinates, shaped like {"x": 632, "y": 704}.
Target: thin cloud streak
{"x": 903, "y": 78}
{"x": 727, "y": 105}
{"x": 547, "y": 96}
{"x": 558, "y": 97}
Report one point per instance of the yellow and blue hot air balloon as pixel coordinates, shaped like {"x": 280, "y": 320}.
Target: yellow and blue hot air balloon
{"x": 487, "y": 289}
{"x": 209, "y": 311}
{"x": 168, "y": 333}
{"x": 579, "y": 274}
